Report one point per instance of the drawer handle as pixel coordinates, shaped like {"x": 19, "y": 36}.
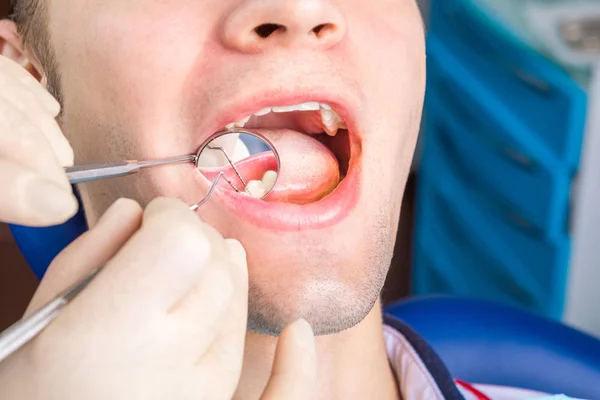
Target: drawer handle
{"x": 531, "y": 79}
{"x": 502, "y": 207}
{"x": 453, "y": 225}
{"x": 476, "y": 126}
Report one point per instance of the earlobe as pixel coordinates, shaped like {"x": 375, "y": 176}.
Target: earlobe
{"x": 11, "y": 46}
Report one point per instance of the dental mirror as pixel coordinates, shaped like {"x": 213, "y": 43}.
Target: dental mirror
{"x": 247, "y": 162}
{"x": 240, "y": 160}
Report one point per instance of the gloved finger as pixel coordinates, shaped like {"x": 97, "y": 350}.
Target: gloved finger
{"x": 294, "y": 372}
{"x": 19, "y": 73}
{"x": 23, "y": 99}
{"x": 10, "y": 69}
{"x": 159, "y": 265}
{"x": 237, "y": 255}
{"x": 197, "y": 319}
{"x": 91, "y": 250}
{"x": 220, "y": 301}
{"x": 226, "y": 350}
{"x": 32, "y": 200}
{"x": 234, "y": 328}
{"x": 22, "y": 142}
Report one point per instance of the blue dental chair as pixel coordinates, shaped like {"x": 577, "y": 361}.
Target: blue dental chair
{"x": 489, "y": 343}
{"x": 479, "y": 341}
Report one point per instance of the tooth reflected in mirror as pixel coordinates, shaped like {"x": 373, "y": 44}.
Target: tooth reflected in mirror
{"x": 248, "y": 161}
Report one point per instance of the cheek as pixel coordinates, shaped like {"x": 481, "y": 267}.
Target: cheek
{"x": 115, "y": 70}
{"x": 394, "y": 66}
{"x": 390, "y": 55}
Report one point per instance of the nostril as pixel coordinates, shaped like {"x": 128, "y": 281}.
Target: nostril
{"x": 323, "y": 29}
{"x": 266, "y": 30}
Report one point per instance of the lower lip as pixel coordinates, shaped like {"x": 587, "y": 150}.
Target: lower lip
{"x": 293, "y": 217}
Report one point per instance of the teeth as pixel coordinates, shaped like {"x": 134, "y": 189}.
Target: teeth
{"x": 330, "y": 119}
{"x": 268, "y": 180}
{"x": 310, "y": 106}
{"x": 255, "y": 189}
{"x": 258, "y": 189}
{"x": 242, "y": 123}
{"x": 262, "y": 112}
{"x": 239, "y": 124}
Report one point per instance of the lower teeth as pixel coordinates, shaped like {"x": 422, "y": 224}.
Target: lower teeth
{"x": 258, "y": 189}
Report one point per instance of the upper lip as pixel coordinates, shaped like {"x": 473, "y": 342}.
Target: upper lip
{"x": 239, "y": 107}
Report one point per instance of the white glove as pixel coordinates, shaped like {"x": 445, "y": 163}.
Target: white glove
{"x": 33, "y": 152}
{"x": 165, "y": 319}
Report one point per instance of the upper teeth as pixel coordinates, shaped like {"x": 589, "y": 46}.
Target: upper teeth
{"x": 330, "y": 119}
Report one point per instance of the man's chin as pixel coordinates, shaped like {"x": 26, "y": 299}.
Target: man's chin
{"x": 330, "y": 304}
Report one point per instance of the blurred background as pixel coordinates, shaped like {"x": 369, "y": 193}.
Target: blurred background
{"x": 503, "y": 202}
{"x": 507, "y": 200}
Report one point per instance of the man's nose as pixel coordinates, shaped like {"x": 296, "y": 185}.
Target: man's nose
{"x": 257, "y": 25}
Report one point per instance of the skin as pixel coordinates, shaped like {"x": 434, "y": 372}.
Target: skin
{"x": 140, "y": 79}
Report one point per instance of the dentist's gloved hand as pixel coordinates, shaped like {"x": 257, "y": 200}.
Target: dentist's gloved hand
{"x": 165, "y": 319}
{"x": 33, "y": 152}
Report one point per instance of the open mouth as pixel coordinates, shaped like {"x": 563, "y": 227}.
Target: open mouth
{"x": 314, "y": 147}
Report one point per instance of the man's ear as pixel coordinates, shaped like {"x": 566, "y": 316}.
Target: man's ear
{"x": 11, "y": 46}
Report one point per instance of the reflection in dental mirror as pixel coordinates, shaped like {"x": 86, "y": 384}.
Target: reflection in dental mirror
{"x": 247, "y": 162}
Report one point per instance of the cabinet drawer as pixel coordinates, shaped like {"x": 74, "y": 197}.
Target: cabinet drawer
{"x": 459, "y": 90}
{"x": 534, "y": 195}
{"x": 541, "y": 96}
{"x": 441, "y": 266}
{"x": 460, "y": 219}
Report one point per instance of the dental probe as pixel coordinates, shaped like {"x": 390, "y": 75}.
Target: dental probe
{"x": 24, "y": 330}
{"x": 222, "y": 150}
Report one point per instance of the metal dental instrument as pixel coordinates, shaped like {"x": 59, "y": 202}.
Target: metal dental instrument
{"x": 23, "y": 331}
{"x": 92, "y": 172}
{"x": 196, "y": 206}
{"x": 221, "y": 149}
{"x": 19, "y": 334}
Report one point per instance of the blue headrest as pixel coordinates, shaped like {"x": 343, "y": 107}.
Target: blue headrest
{"x": 488, "y": 343}
{"x": 41, "y": 245}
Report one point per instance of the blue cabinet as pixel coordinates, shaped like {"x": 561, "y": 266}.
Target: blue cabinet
{"x": 502, "y": 142}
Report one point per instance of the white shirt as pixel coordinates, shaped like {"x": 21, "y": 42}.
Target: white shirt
{"x": 417, "y": 383}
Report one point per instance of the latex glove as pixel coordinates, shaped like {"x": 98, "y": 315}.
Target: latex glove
{"x": 165, "y": 319}
{"x": 33, "y": 152}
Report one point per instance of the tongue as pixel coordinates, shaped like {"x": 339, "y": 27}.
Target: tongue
{"x": 309, "y": 171}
